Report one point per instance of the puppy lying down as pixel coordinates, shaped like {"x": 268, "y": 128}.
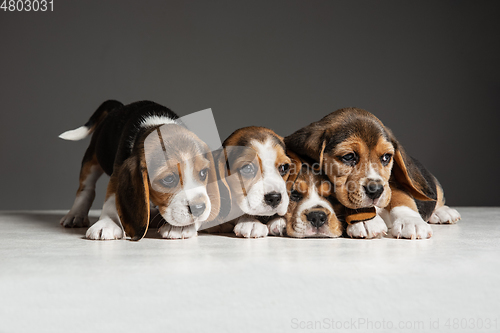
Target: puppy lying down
{"x": 253, "y": 169}
{"x": 370, "y": 169}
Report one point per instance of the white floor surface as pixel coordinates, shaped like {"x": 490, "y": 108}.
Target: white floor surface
{"x": 53, "y": 280}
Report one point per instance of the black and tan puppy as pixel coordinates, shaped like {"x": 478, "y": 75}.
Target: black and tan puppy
{"x": 310, "y": 213}
{"x": 153, "y": 160}
{"x": 253, "y": 169}
{"x": 369, "y": 168}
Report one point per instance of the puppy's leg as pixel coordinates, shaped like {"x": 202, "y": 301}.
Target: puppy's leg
{"x": 442, "y": 213}
{"x": 406, "y": 221}
{"x": 277, "y": 226}
{"x": 174, "y": 232}
{"x": 90, "y": 172}
{"x": 249, "y": 227}
{"x": 109, "y": 226}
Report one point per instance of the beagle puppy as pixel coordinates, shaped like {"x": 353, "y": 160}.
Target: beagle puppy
{"x": 310, "y": 213}
{"x": 370, "y": 170}
{"x": 253, "y": 169}
{"x": 153, "y": 160}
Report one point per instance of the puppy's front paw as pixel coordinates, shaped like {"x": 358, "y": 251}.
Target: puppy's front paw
{"x": 105, "y": 229}
{"x": 173, "y": 232}
{"x": 277, "y": 226}
{"x": 75, "y": 220}
{"x": 445, "y": 215}
{"x": 368, "y": 229}
{"x": 250, "y": 229}
{"x": 411, "y": 227}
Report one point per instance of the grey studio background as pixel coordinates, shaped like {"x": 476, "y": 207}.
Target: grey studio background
{"x": 429, "y": 70}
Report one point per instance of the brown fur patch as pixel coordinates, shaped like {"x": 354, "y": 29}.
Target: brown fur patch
{"x": 402, "y": 198}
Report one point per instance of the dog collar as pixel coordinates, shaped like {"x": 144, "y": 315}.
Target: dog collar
{"x": 359, "y": 215}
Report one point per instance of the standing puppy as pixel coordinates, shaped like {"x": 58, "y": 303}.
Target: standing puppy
{"x": 370, "y": 169}
{"x": 153, "y": 160}
{"x": 253, "y": 167}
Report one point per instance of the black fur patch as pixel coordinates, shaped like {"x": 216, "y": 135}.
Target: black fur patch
{"x": 425, "y": 208}
{"x": 102, "y": 111}
{"x": 115, "y": 136}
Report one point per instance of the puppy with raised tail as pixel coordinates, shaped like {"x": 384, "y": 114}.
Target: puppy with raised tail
{"x": 371, "y": 170}
{"x": 253, "y": 169}
{"x": 153, "y": 161}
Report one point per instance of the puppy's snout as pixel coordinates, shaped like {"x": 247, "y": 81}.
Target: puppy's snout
{"x": 317, "y": 218}
{"x": 272, "y": 199}
{"x": 197, "y": 209}
{"x": 374, "y": 190}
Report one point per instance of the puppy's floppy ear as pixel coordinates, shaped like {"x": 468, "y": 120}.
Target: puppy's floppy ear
{"x": 222, "y": 169}
{"x": 213, "y": 190}
{"x": 132, "y": 197}
{"x": 409, "y": 173}
{"x": 295, "y": 167}
{"x": 310, "y": 141}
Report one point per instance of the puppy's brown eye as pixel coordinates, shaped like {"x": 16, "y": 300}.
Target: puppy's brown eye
{"x": 203, "y": 174}
{"x": 248, "y": 170}
{"x": 296, "y": 196}
{"x": 170, "y": 180}
{"x": 283, "y": 169}
{"x": 350, "y": 159}
{"x": 385, "y": 159}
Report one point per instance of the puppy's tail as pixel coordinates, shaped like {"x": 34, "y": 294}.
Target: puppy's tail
{"x": 89, "y": 127}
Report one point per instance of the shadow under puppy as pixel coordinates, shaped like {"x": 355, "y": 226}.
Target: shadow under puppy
{"x": 153, "y": 160}
{"x": 370, "y": 170}
{"x": 253, "y": 168}
{"x": 310, "y": 212}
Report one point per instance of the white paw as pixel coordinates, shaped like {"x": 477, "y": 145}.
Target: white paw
{"x": 411, "y": 227}
{"x": 277, "y": 227}
{"x": 172, "y": 232}
{"x": 407, "y": 223}
{"x": 250, "y": 229}
{"x": 445, "y": 215}
{"x": 105, "y": 229}
{"x": 368, "y": 229}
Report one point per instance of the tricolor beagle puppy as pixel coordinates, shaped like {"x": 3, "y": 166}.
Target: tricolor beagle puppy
{"x": 371, "y": 170}
{"x": 310, "y": 212}
{"x": 253, "y": 168}
{"x": 153, "y": 160}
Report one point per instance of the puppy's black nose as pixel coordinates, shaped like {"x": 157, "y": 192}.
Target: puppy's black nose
{"x": 317, "y": 218}
{"x": 374, "y": 191}
{"x": 197, "y": 209}
{"x": 273, "y": 199}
